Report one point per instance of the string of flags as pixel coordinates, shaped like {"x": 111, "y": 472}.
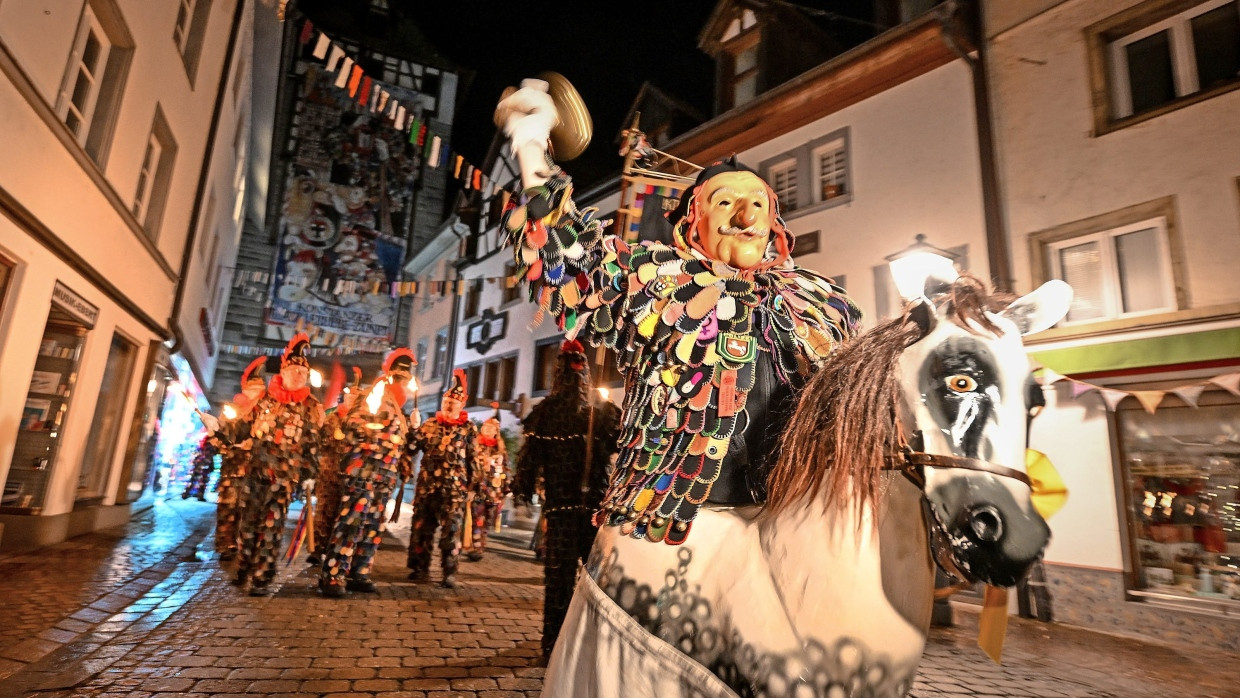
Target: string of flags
{"x": 371, "y": 94}
{"x": 257, "y": 281}
{"x": 1149, "y": 399}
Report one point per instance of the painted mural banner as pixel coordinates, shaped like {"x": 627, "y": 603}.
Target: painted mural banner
{"x": 348, "y": 205}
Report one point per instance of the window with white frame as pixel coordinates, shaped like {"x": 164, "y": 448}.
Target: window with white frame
{"x": 831, "y": 170}
{"x": 80, "y": 90}
{"x": 1116, "y": 273}
{"x": 1194, "y": 50}
{"x": 188, "y": 32}
{"x": 783, "y": 179}
{"x": 419, "y": 353}
{"x": 441, "y": 354}
{"x": 154, "y": 175}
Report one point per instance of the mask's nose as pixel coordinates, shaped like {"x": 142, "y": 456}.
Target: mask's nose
{"x": 746, "y": 215}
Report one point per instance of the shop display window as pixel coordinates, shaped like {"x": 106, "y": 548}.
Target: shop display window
{"x": 1181, "y": 470}
{"x": 43, "y": 416}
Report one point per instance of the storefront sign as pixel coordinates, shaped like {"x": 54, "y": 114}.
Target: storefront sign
{"x": 75, "y": 305}
{"x": 489, "y": 329}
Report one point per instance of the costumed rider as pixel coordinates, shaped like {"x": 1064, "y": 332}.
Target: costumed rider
{"x": 232, "y": 439}
{"x": 375, "y": 457}
{"x": 490, "y": 484}
{"x": 327, "y": 484}
{"x": 447, "y": 443}
{"x": 555, "y": 453}
{"x": 284, "y": 454}
{"x": 713, "y": 333}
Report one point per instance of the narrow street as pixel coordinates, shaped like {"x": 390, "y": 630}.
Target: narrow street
{"x": 146, "y": 610}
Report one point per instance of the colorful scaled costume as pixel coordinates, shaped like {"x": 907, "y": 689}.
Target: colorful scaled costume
{"x": 447, "y": 443}
{"x": 233, "y": 441}
{"x": 710, "y": 353}
{"x": 490, "y": 484}
{"x": 556, "y": 433}
{"x": 376, "y": 456}
{"x": 327, "y": 484}
{"x": 284, "y": 452}
{"x": 200, "y": 469}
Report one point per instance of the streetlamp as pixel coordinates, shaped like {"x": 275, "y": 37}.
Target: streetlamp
{"x": 914, "y": 264}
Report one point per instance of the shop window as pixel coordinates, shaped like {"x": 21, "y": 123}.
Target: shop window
{"x": 1181, "y": 476}
{"x": 188, "y": 32}
{"x": 1160, "y": 55}
{"x": 52, "y": 385}
{"x": 89, "y": 96}
{"x": 1115, "y": 273}
{"x": 154, "y": 175}
{"x": 106, "y": 425}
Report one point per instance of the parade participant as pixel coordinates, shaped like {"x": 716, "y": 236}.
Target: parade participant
{"x": 232, "y": 440}
{"x": 447, "y": 443}
{"x": 490, "y": 484}
{"x": 200, "y": 469}
{"x": 713, "y": 333}
{"x": 284, "y": 453}
{"x": 327, "y": 484}
{"x": 375, "y": 433}
{"x": 555, "y": 453}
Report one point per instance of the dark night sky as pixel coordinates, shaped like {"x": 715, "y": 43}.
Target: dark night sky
{"x": 605, "y": 49}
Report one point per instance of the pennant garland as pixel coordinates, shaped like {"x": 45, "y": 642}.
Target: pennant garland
{"x": 1150, "y": 399}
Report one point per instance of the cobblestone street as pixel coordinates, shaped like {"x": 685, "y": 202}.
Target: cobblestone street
{"x": 145, "y": 610}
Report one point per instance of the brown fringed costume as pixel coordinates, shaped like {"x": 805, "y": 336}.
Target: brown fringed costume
{"x": 555, "y": 453}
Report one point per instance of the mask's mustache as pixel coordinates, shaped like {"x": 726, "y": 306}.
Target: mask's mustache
{"x": 733, "y": 230}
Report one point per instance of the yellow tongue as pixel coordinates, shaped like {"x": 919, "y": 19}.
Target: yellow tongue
{"x": 1049, "y": 491}
{"x": 992, "y": 625}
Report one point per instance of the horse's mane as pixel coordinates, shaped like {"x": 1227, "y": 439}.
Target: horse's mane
{"x": 847, "y": 413}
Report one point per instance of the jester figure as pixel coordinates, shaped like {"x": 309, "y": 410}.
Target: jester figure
{"x": 284, "y": 453}
{"x": 327, "y": 484}
{"x": 447, "y": 442}
{"x": 554, "y": 453}
{"x": 232, "y": 438}
{"x": 490, "y": 484}
{"x": 713, "y": 334}
{"x": 375, "y": 457}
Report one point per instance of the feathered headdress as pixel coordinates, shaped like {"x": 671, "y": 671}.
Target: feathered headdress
{"x": 459, "y": 388}
{"x": 255, "y": 371}
{"x": 295, "y": 352}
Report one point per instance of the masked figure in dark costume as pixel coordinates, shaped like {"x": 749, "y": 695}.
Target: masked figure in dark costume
{"x": 376, "y": 431}
{"x": 232, "y": 438}
{"x": 200, "y": 469}
{"x": 555, "y": 452}
{"x": 284, "y": 453}
{"x": 490, "y": 484}
{"x": 447, "y": 443}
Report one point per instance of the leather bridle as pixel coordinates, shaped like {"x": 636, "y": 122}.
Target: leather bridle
{"x": 912, "y": 464}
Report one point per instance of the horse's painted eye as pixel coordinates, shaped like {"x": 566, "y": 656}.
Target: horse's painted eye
{"x": 961, "y": 383}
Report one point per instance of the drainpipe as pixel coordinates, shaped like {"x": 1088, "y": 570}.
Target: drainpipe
{"x": 174, "y": 326}
{"x": 456, "y": 306}
{"x": 959, "y": 31}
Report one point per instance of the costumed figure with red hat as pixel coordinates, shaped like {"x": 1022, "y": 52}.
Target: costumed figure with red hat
{"x": 490, "y": 484}
{"x": 232, "y": 439}
{"x": 327, "y": 484}
{"x": 375, "y": 434}
{"x": 573, "y": 477}
{"x": 447, "y": 442}
{"x": 713, "y": 334}
{"x": 284, "y": 453}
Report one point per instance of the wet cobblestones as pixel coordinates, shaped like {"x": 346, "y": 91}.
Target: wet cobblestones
{"x": 141, "y": 611}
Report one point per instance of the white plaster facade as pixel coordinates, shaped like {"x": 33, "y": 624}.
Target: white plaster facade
{"x": 69, "y": 218}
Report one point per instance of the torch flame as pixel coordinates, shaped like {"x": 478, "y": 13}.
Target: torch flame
{"x": 230, "y": 412}
{"x": 604, "y": 393}
{"x": 375, "y": 398}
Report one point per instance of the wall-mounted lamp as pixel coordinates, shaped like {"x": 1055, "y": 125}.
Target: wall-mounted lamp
{"x": 911, "y": 266}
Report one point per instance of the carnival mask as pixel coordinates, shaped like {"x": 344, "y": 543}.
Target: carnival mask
{"x": 735, "y": 218}
{"x": 294, "y": 376}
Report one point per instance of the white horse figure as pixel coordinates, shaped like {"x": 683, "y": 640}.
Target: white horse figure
{"x": 909, "y": 443}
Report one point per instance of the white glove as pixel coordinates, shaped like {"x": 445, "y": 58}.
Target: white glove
{"x": 308, "y": 485}
{"x": 528, "y": 115}
{"x": 210, "y": 422}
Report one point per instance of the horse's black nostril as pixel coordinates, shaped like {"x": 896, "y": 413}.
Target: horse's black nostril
{"x": 986, "y": 523}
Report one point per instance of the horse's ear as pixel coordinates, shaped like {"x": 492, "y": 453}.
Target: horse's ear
{"x": 922, "y": 312}
{"x": 1041, "y": 309}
